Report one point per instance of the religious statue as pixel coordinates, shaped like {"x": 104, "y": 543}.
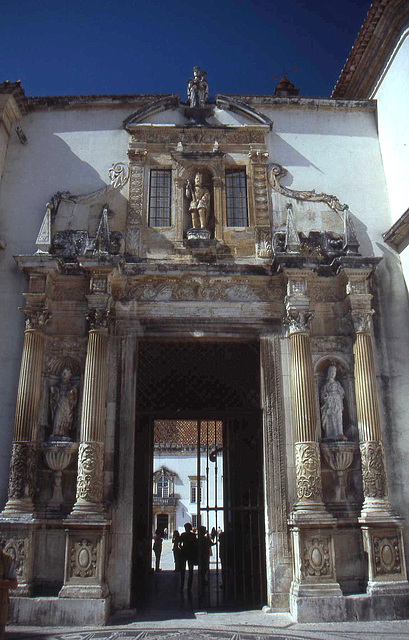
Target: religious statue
{"x": 63, "y": 400}
{"x": 197, "y": 88}
{"x": 332, "y": 400}
{"x": 199, "y": 207}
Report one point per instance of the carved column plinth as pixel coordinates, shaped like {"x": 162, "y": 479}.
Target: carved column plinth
{"x": 85, "y": 556}
{"x": 17, "y": 539}
{"x": 89, "y": 502}
{"x": 311, "y": 524}
{"x": 314, "y": 563}
{"x": 381, "y": 526}
{"x": 23, "y": 458}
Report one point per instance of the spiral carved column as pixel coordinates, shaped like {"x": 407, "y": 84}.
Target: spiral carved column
{"x": 89, "y": 498}
{"x": 381, "y": 526}
{"x": 23, "y": 457}
{"x": 311, "y": 525}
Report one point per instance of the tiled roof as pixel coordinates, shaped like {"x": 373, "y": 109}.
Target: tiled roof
{"x": 184, "y": 433}
{"x": 375, "y": 42}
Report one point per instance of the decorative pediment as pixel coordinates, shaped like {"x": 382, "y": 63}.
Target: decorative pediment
{"x": 224, "y": 113}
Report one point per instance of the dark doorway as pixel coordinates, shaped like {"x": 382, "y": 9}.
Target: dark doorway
{"x": 162, "y": 523}
{"x": 204, "y": 384}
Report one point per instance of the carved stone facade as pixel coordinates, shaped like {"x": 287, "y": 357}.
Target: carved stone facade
{"x": 242, "y": 300}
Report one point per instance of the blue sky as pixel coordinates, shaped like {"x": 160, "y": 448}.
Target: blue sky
{"x": 106, "y": 47}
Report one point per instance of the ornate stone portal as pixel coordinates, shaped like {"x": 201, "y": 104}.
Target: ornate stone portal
{"x": 114, "y": 282}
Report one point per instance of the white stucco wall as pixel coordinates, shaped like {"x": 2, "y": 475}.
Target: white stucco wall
{"x": 392, "y": 95}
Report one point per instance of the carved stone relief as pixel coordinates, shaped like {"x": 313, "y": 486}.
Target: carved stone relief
{"x": 193, "y": 136}
{"x": 22, "y": 470}
{"x": 373, "y": 470}
{"x": 18, "y": 549}
{"x": 83, "y": 559}
{"x": 90, "y": 471}
{"x": 387, "y": 555}
{"x": 308, "y": 471}
{"x": 297, "y": 321}
{"x": 258, "y": 159}
{"x": 98, "y": 319}
{"x": 176, "y": 288}
{"x": 317, "y": 556}
{"x": 263, "y": 243}
{"x": 36, "y": 319}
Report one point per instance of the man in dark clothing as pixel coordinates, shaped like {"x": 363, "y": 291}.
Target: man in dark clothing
{"x": 189, "y": 553}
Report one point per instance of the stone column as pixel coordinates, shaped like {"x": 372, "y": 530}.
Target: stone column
{"x": 311, "y": 524}
{"x": 23, "y": 457}
{"x": 381, "y": 526}
{"x": 89, "y": 503}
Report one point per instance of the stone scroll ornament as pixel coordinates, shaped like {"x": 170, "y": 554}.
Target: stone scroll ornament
{"x": 90, "y": 471}
{"x": 308, "y": 471}
{"x": 277, "y": 172}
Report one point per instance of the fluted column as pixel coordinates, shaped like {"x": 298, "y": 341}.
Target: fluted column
{"x": 89, "y": 499}
{"x": 311, "y": 524}
{"x": 23, "y": 457}
{"x": 381, "y": 526}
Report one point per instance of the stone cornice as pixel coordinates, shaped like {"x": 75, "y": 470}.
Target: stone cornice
{"x": 374, "y": 44}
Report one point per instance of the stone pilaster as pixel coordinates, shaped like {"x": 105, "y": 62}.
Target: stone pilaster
{"x": 311, "y": 524}
{"x": 23, "y": 458}
{"x": 381, "y": 527}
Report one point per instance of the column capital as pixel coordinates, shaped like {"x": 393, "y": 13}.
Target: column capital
{"x": 297, "y": 320}
{"x": 361, "y": 320}
{"x": 99, "y": 319}
{"x": 36, "y": 319}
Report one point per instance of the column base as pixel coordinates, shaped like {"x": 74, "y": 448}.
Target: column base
{"x": 83, "y": 592}
{"x": 84, "y": 511}
{"x": 19, "y": 509}
{"x": 378, "y": 511}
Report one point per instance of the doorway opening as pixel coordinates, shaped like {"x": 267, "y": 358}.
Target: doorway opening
{"x": 205, "y": 470}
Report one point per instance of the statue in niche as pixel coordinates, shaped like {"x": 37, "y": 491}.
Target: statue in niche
{"x": 63, "y": 400}
{"x": 332, "y": 406}
{"x": 199, "y": 207}
{"x": 197, "y": 88}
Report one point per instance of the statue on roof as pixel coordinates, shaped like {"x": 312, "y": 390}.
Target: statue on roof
{"x": 197, "y": 88}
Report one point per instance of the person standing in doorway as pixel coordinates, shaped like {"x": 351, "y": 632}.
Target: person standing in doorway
{"x": 189, "y": 554}
{"x": 157, "y": 548}
{"x": 8, "y": 580}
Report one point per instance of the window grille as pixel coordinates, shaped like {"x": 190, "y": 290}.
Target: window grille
{"x": 236, "y": 198}
{"x": 193, "y": 492}
{"x": 163, "y": 487}
{"x": 194, "y": 521}
{"x": 159, "y": 198}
